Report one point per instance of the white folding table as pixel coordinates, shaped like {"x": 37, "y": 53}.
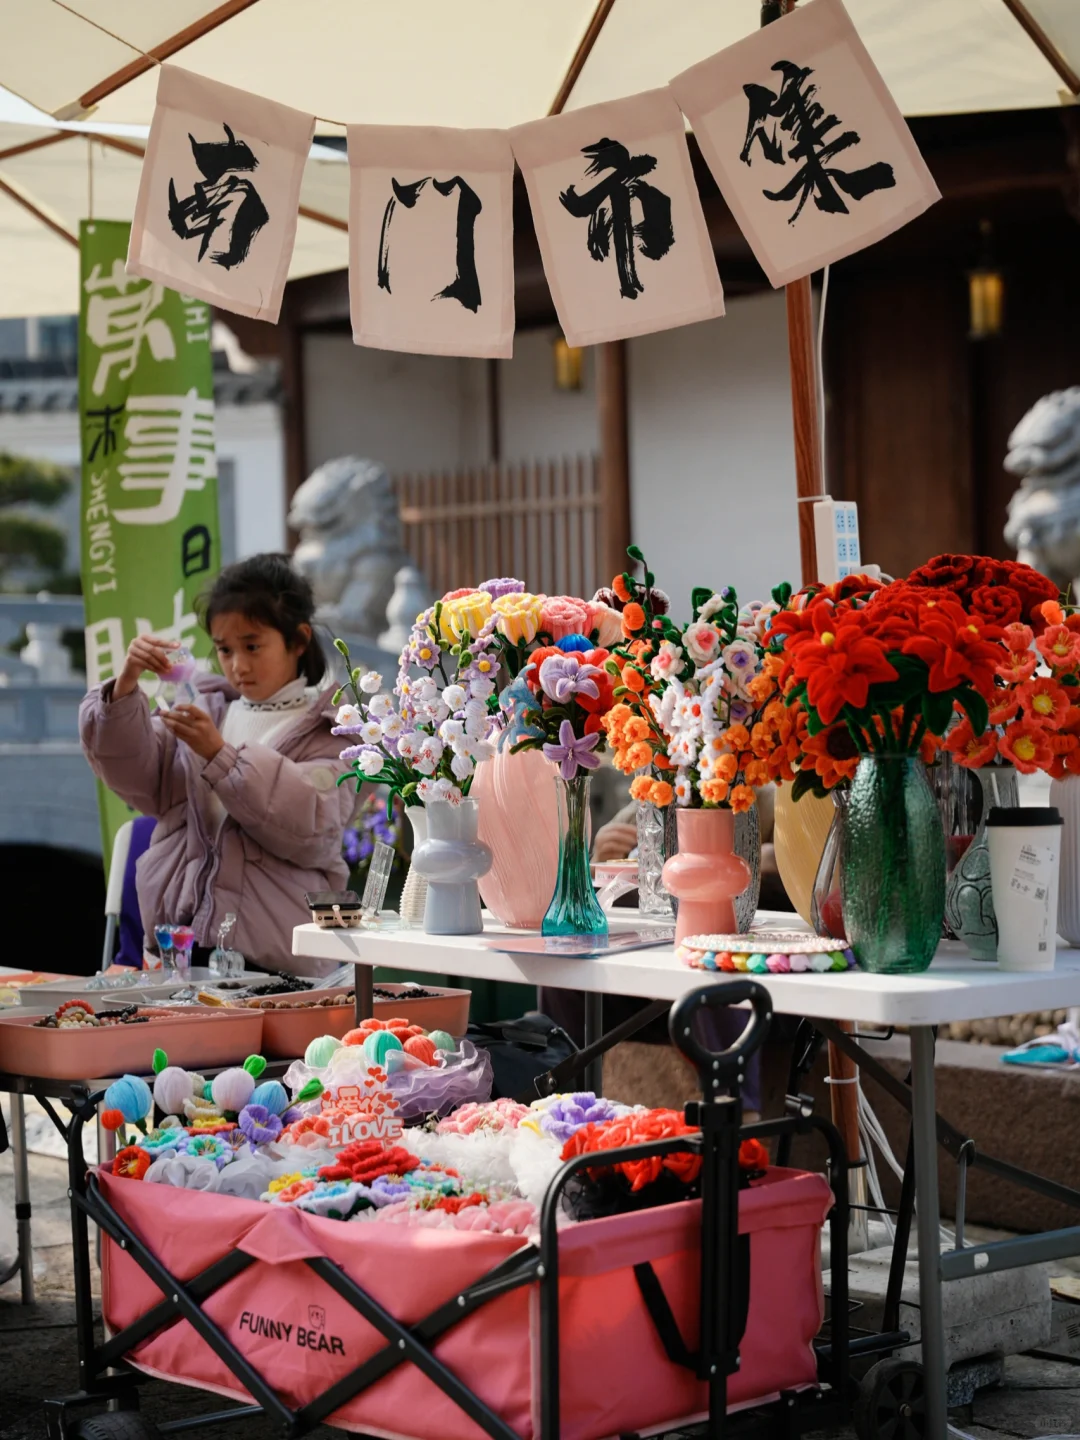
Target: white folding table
{"x": 954, "y": 988}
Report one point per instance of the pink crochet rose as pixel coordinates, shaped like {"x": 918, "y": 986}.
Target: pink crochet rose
{"x": 564, "y": 615}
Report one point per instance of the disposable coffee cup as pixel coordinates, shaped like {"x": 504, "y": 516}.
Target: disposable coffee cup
{"x": 1025, "y": 855}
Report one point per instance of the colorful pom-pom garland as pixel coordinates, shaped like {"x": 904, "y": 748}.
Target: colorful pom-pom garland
{"x": 776, "y": 952}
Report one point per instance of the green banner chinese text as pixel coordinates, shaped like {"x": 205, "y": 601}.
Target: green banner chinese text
{"x": 149, "y": 476}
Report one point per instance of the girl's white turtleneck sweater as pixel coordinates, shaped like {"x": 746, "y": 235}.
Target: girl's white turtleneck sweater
{"x": 259, "y": 722}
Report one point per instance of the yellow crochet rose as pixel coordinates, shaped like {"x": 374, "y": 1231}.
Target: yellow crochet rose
{"x": 465, "y": 614}
{"x": 519, "y": 616}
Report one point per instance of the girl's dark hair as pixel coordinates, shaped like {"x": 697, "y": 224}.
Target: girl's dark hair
{"x": 268, "y": 590}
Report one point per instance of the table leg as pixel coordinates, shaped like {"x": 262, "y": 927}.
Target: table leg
{"x": 365, "y": 997}
{"x": 22, "y": 1198}
{"x": 594, "y": 1028}
{"x": 924, "y": 1124}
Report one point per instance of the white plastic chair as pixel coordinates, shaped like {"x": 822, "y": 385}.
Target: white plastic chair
{"x": 114, "y": 892}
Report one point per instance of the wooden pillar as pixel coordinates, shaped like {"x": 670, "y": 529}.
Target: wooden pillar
{"x": 611, "y": 402}
{"x": 802, "y": 358}
{"x": 292, "y": 411}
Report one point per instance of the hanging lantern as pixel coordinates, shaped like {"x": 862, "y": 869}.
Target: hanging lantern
{"x": 986, "y": 291}
{"x": 568, "y": 361}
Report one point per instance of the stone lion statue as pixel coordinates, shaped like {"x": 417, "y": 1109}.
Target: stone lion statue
{"x": 350, "y": 546}
{"x": 1044, "y": 514}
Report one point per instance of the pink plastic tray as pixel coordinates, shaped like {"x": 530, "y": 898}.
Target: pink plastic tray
{"x": 287, "y": 1033}
{"x": 189, "y": 1038}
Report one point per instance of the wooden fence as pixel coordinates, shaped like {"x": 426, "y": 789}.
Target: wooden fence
{"x": 538, "y": 520}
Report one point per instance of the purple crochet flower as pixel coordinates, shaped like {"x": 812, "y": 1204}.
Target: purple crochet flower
{"x": 384, "y": 1190}
{"x": 572, "y": 754}
{"x": 563, "y": 676}
{"x": 506, "y": 586}
{"x": 259, "y": 1125}
{"x": 570, "y": 1112}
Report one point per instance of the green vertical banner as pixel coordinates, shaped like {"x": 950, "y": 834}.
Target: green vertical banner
{"x": 149, "y": 477}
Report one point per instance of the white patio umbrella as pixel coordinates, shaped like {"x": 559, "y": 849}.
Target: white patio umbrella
{"x": 50, "y": 179}
{"x": 501, "y": 62}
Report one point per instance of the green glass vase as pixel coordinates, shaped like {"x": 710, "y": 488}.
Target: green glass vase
{"x": 892, "y": 879}
{"x": 574, "y": 909}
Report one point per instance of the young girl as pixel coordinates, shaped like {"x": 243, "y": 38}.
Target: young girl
{"x": 243, "y": 784}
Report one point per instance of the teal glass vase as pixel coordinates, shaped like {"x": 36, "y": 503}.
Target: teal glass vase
{"x": 892, "y": 879}
{"x": 574, "y": 909}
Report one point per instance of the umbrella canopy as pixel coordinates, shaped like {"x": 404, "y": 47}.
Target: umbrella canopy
{"x": 501, "y": 62}
{"x": 51, "y": 179}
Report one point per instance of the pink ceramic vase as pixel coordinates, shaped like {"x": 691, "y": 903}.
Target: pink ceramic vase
{"x": 706, "y": 874}
{"x": 519, "y": 822}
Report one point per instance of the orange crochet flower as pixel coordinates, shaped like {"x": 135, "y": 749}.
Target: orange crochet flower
{"x": 132, "y": 1162}
{"x": 633, "y": 618}
{"x": 1017, "y": 666}
{"x": 714, "y": 792}
{"x": 1059, "y": 647}
{"x": 1026, "y": 745}
{"x": 1046, "y": 701}
{"x": 742, "y": 797}
{"x": 662, "y": 793}
{"x": 971, "y": 750}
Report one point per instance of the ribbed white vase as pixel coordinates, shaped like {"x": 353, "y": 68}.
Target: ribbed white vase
{"x": 1065, "y": 795}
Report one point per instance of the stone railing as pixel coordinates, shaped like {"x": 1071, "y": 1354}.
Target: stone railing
{"x": 39, "y": 689}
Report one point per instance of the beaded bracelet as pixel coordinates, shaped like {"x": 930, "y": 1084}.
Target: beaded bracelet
{"x": 767, "y": 952}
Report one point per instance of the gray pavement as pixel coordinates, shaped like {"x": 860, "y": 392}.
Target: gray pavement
{"x": 1040, "y": 1397}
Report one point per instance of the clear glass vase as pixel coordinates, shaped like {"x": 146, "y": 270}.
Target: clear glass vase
{"x": 969, "y": 903}
{"x": 826, "y": 907}
{"x": 892, "y": 879}
{"x": 574, "y": 909}
{"x": 656, "y": 841}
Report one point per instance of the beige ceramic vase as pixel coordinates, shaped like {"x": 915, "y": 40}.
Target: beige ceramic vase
{"x": 519, "y": 822}
{"x": 706, "y": 874}
{"x": 799, "y": 831}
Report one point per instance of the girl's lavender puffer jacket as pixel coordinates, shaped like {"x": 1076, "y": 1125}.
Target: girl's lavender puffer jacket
{"x": 285, "y": 815}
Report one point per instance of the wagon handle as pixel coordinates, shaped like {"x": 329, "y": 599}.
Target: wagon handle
{"x": 718, "y": 1067}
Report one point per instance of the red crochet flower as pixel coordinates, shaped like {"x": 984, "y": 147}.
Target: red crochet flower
{"x": 635, "y": 1129}
{"x": 753, "y": 1155}
{"x": 839, "y": 665}
{"x": 999, "y": 603}
{"x": 365, "y": 1160}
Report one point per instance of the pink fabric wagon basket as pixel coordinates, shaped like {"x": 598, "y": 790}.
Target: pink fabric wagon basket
{"x": 615, "y": 1376}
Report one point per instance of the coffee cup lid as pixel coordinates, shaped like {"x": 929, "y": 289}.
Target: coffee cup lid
{"x": 1022, "y": 815}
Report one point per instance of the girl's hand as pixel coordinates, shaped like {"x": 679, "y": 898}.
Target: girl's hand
{"x": 146, "y": 652}
{"x": 614, "y": 841}
{"x": 195, "y": 728}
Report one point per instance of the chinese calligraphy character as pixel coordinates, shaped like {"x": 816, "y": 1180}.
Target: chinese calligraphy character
{"x": 795, "y": 112}
{"x": 195, "y": 551}
{"x": 465, "y": 286}
{"x": 609, "y": 208}
{"x": 169, "y": 447}
{"x": 105, "y": 650}
{"x": 119, "y": 322}
{"x": 106, "y": 438}
{"x": 183, "y": 627}
{"x": 221, "y": 200}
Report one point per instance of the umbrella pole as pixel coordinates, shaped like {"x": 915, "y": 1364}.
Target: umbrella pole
{"x": 809, "y": 485}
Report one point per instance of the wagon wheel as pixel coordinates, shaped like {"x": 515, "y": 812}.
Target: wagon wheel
{"x": 891, "y": 1403}
{"x": 117, "y": 1425}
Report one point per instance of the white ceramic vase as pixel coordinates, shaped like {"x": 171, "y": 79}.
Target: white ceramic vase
{"x": 414, "y": 891}
{"x": 451, "y": 860}
{"x": 1065, "y": 795}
